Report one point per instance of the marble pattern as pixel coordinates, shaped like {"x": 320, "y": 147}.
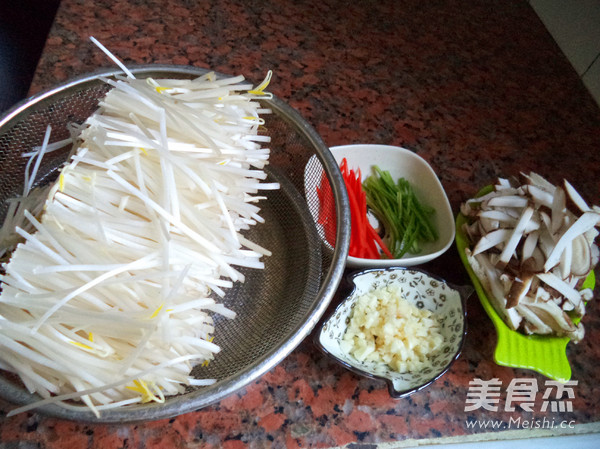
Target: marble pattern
{"x": 477, "y": 88}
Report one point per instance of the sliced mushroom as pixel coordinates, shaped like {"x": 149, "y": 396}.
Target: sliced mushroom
{"x": 488, "y": 225}
{"x": 534, "y": 264}
{"x": 559, "y": 203}
{"x": 547, "y": 222}
{"x": 499, "y": 215}
{"x": 577, "y": 335}
{"x": 508, "y": 201}
{"x": 546, "y": 243}
{"x": 529, "y": 245}
{"x": 584, "y": 223}
{"x": 492, "y": 284}
{"x": 541, "y": 294}
{"x": 565, "y": 263}
{"x": 540, "y": 181}
{"x": 587, "y": 294}
{"x": 502, "y": 184}
{"x": 561, "y": 286}
{"x": 491, "y": 240}
{"x": 534, "y": 324}
{"x": 532, "y": 251}
{"x": 493, "y": 194}
{"x": 518, "y": 290}
{"x": 533, "y": 225}
{"x": 581, "y": 262}
{"x": 540, "y": 196}
{"x": 515, "y": 238}
{"x": 552, "y": 315}
{"x": 576, "y": 197}
{"x": 466, "y": 209}
{"x": 595, "y": 253}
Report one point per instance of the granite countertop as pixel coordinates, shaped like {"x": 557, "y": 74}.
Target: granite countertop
{"x": 479, "y": 89}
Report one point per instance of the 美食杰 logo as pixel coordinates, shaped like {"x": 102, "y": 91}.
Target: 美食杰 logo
{"x": 521, "y": 393}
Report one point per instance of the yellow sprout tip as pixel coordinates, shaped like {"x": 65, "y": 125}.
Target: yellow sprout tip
{"x": 258, "y": 120}
{"x": 142, "y": 388}
{"x": 259, "y": 90}
{"x": 157, "y": 311}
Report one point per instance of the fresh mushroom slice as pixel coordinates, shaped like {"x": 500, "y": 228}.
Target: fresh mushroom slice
{"x": 488, "y": 224}
{"x": 591, "y": 235}
{"x": 499, "y": 215}
{"x": 546, "y": 222}
{"x": 490, "y": 280}
{"x": 534, "y": 324}
{"x": 587, "y": 294}
{"x": 514, "y": 212}
{"x": 491, "y": 240}
{"x": 579, "y": 309}
{"x": 529, "y": 245}
{"x": 534, "y": 224}
{"x": 576, "y": 197}
{"x": 581, "y": 262}
{"x": 472, "y": 231}
{"x": 467, "y": 210}
{"x": 552, "y": 315}
{"x": 541, "y": 294}
{"x": 565, "y": 263}
{"x": 515, "y": 238}
{"x": 493, "y": 194}
{"x": 577, "y": 335}
{"x": 561, "y": 286}
{"x": 506, "y": 280}
{"x": 508, "y": 201}
{"x": 559, "y": 204}
{"x": 545, "y": 243}
{"x": 567, "y": 306}
{"x": 535, "y": 263}
{"x": 503, "y": 183}
{"x": 487, "y": 273}
{"x": 518, "y": 290}
{"x": 584, "y": 223}
{"x": 540, "y": 197}
{"x": 539, "y": 181}
{"x": 595, "y": 253}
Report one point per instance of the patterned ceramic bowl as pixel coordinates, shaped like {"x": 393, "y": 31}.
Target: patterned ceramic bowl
{"x": 424, "y": 291}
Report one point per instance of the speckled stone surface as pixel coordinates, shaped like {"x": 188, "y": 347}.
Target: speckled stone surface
{"x": 477, "y": 88}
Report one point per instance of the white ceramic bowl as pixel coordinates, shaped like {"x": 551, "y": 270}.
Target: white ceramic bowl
{"x": 403, "y": 163}
{"x": 419, "y": 288}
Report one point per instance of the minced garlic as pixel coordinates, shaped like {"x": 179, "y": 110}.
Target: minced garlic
{"x": 385, "y": 328}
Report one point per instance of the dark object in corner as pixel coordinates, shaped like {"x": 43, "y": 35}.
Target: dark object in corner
{"x": 24, "y": 27}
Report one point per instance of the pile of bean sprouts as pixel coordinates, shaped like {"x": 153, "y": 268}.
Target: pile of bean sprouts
{"x": 108, "y": 300}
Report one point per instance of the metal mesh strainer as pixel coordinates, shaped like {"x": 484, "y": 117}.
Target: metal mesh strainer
{"x": 278, "y": 306}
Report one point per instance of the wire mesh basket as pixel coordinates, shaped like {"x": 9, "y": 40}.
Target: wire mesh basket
{"x": 276, "y": 307}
